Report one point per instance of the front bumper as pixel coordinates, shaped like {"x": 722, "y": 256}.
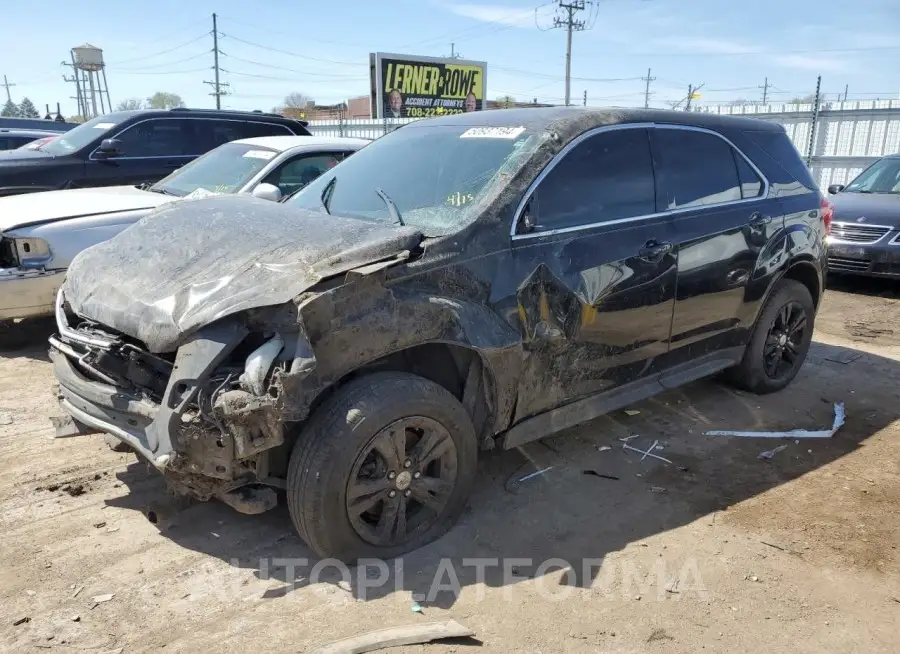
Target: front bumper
{"x": 205, "y": 442}
{"x": 881, "y": 259}
{"x": 28, "y": 293}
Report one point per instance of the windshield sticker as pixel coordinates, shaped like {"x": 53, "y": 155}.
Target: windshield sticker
{"x": 104, "y": 125}
{"x": 259, "y": 154}
{"x": 492, "y": 133}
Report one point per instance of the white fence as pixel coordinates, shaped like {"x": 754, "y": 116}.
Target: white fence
{"x": 849, "y": 136}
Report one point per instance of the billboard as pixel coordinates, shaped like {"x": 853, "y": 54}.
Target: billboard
{"x": 407, "y": 86}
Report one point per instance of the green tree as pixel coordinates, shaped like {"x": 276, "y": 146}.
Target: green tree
{"x": 506, "y": 101}
{"x": 130, "y": 104}
{"x": 10, "y": 110}
{"x": 164, "y": 100}
{"x": 27, "y": 109}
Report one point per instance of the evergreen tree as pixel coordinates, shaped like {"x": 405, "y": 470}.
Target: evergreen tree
{"x": 27, "y": 109}
{"x": 10, "y": 110}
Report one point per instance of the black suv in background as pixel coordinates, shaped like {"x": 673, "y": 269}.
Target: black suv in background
{"x": 133, "y": 147}
{"x": 475, "y": 281}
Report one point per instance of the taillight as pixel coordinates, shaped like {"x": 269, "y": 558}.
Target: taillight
{"x": 827, "y": 211}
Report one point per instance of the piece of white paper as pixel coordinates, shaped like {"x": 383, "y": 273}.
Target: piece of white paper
{"x": 259, "y": 154}
{"x": 795, "y": 433}
{"x": 492, "y": 133}
{"x": 104, "y": 125}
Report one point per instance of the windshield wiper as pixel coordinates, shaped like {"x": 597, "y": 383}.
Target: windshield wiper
{"x": 160, "y": 189}
{"x": 327, "y": 192}
{"x": 392, "y": 207}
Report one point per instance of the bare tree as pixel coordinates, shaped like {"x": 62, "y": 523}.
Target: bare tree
{"x": 296, "y": 105}
{"x": 806, "y": 99}
{"x": 506, "y": 101}
{"x": 130, "y": 104}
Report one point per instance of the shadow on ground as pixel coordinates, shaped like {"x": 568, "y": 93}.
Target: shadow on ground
{"x": 565, "y": 514}
{"x": 27, "y": 338}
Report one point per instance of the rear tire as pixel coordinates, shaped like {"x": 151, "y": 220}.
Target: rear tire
{"x": 384, "y": 466}
{"x": 779, "y": 342}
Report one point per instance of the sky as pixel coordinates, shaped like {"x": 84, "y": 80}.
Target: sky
{"x": 271, "y": 48}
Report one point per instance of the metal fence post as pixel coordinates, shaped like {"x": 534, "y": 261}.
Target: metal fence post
{"x": 815, "y": 122}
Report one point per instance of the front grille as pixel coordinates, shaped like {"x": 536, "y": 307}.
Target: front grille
{"x": 842, "y": 264}
{"x": 858, "y": 233}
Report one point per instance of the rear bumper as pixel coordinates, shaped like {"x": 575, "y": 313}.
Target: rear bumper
{"x": 28, "y": 293}
{"x": 877, "y": 260}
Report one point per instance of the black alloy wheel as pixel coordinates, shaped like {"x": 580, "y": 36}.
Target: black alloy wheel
{"x": 784, "y": 340}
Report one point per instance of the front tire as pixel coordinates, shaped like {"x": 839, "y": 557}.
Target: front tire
{"x": 384, "y": 466}
{"x": 779, "y": 342}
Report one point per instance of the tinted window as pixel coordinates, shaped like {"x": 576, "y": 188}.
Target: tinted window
{"x": 605, "y": 177}
{"x": 881, "y": 177}
{"x": 751, "y": 184}
{"x": 212, "y": 133}
{"x": 300, "y": 171}
{"x": 781, "y": 163}
{"x": 693, "y": 169}
{"x": 157, "y": 137}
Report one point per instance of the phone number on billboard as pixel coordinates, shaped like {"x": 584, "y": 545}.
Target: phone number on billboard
{"x": 419, "y": 112}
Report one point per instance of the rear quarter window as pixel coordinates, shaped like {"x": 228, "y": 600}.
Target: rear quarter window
{"x": 781, "y": 163}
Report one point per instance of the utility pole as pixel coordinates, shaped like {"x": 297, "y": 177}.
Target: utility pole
{"x": 570, "y": 24}
{"x": 584, "y": 102}
{"x": 846, "y": 91}
{"x": 7, "y": 84}
{"x": 765, "y": 90}
{"x": 217, "y": 86}
{"x": 815, "y": 123}
{"x": 690, "y": 96}
{"x": 647, "y": 79}
{"x": 453, "y": 53}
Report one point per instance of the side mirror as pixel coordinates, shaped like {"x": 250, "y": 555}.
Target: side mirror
{"x": 834, "y": 189}
{"x": 267, "y": 192}
{"x": 108, "y": 148}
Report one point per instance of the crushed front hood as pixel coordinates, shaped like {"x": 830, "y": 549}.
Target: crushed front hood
{"x": 190, "y": 263}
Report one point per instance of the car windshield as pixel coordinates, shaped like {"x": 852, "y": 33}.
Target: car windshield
{"x": 78, "y": 137}
{"x": 881, "y": 177}
{"x": 434, "y": 177}
{"x": 223, "y": 170}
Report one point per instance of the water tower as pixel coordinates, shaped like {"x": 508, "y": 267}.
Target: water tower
{"x": 90, "y": 80}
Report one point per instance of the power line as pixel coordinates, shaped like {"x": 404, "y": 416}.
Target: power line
{"x": 162, "y": 72}
{"x": 162, "y": 52}
{"x": 274, "y": 67}
{"x": 288, "y": 79}
{"x": 292, "y": 54}
{"x": 162, "y": 64}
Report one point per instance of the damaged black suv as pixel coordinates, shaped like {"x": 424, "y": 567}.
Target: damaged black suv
{"x": 463, "y": 283}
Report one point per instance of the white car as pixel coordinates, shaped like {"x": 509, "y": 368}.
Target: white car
{"x": 40, "y": 233}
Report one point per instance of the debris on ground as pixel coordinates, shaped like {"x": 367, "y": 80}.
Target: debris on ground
{"x": 768, "y": 454}
{"x": 76, "y": 618}
{"x": 99, "y": 525}
{"x": 100, "y": 599}
{"x": 659, "y": 634}
{"x": 844, "y": 357}
{"x": 416, "y": 608}
{"x": 74, "y": 490}
{"x": 632, "y": 412}
{"x": 628, "y": 438}
{"x": 839, "y": 416}
{"x": 24, "y": 619}
{"x": 6, "y": 419}
{"x": 535, "y": 474}
{"x": 395, "y": 637}
{"x": 77, "y": 591}
{"x": 594, "y": 473}
{"x": 646, "y": 453}
{"x": 657, "y": 489}
{"x": 603, "y": 448}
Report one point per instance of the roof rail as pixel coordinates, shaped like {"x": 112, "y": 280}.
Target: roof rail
{"x": 229, "y": 111}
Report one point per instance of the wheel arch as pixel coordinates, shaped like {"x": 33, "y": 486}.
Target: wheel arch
{"x": 805, "y": 272}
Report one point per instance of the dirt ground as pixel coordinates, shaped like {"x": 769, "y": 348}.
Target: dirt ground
{"x": 717, "y": 550}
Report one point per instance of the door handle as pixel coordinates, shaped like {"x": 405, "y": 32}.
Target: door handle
{"x": 654, "y": 250}
{"x": 757, "y": 220}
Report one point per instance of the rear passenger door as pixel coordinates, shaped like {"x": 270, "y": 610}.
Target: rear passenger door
{"x": 721, "y": 224}
{"x": 597, "y": 270}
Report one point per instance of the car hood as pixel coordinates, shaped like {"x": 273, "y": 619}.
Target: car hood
{"x": 867, "y": 208}
{"x": 29, "y": 209}
{"x": 191, "y": 263}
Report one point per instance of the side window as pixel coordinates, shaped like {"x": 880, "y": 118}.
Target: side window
{"x": 296, "y": 173}
{"x": 693, "y": 169}
{"x": 751, "y": 184}
{"x": 251, "y": 129}
{"x": 606, "y": 177}
{"x": 212, "y": 133}
{"x": 4, "y": 143}
{"x": 157, "y": 137}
